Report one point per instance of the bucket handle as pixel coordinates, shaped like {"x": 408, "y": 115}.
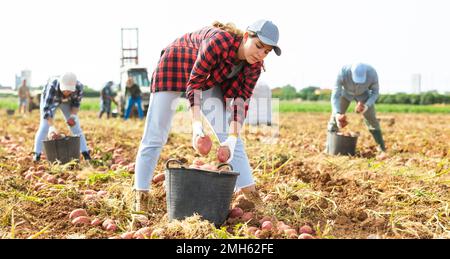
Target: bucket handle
{"x": 174, "y": 160}
{"x": 225, "y": 164}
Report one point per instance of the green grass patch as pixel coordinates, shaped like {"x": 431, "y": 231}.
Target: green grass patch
{"x": 105, "y": 177}
{"x": 93, "y": 104}
{"x": 9, "y": 103}
{"x": 325, "y": 107}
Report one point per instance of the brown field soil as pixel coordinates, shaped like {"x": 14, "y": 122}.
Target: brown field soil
{"x": 405, "y": 195}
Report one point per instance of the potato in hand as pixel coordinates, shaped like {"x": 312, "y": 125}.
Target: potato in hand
{"x": 203, "y": 145}
{"x": 71, "y": 122}
{"x": 223, "y": 154}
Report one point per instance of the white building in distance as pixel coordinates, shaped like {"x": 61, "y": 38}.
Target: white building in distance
{"x": 24, "y": 75}
{"x": 260, "y": 107}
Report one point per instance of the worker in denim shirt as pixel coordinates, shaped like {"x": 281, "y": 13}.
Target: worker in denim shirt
{"x": 65, "y": 93}
{"x": 357, "y": 82}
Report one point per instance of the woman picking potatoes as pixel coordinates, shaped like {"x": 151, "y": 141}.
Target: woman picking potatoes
{"x": 217, "y": 67}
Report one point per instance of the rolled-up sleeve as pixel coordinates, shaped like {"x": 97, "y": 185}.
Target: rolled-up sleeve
{"x": 208, "y": 56}
{"x": 49, "y": 102}
{"x": 76, "y": 100}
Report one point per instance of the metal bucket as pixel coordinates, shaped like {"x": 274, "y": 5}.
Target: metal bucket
{"x": 63, "y": 150}
{"x": 207, "y": 193}
{"x": 341, "y": 145}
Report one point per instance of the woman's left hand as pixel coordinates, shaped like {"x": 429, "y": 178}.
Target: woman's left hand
{"x": 230, "y": 142}
{"x": 72, "y": 121}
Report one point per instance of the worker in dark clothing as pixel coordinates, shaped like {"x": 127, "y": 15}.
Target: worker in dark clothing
{"x": 134, "y": 93}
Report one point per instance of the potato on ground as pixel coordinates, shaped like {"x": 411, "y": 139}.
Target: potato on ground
{"x": 305, "y": 236}
{"x": 306, "y": 230}
{"x": 77, "y": 213}
{"x": 143, "y": 233}
{"x": 82, "y": 220}
{"x": 159, "y": 178}
{"x": 236, "y": 212}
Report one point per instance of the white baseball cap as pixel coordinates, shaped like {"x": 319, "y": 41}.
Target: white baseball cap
{"x": 67, "y": 82}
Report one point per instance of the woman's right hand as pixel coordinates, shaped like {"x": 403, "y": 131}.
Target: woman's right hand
{"x": 52, "y": 133}
{"x": 197, "y": 129}
{"x": 200, "y": 142}
{"x": 225, "y": 152}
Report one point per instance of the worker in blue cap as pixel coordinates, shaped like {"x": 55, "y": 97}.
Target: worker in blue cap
{"x": 357, "y": 82}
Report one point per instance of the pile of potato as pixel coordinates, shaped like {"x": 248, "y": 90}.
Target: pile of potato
{"x": 349, "y": 134}
{"x": 56, "y": 136}
{"x": 267, "y": 227}
{"x": 80, "y": 217}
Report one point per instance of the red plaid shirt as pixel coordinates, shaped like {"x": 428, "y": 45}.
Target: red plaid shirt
{"x": 202, "y": 60}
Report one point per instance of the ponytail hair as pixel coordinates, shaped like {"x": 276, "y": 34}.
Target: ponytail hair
{"x": 228, "y": 27}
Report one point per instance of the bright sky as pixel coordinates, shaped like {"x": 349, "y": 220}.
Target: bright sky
{"x": 398, "y": 37}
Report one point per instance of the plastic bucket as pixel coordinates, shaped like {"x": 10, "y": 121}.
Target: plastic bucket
{"x": 207, "y": 193}
{"x": 10, "y": 112}
{"x": 341, "y": 145}
{"x": 63, "y": 150}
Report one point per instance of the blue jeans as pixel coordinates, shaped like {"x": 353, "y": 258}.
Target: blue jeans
{"x": 43, "y": 129}
{"x": 161, "y": 111}
{"x": 131, "y": 102}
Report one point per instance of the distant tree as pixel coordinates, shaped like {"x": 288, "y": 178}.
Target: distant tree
{"x": 414, "y": 99}
{"x": 389, "y": 99}
{"x": 402, "y": 98}
{"x": 288, "y": 92}
{"x": 324, "y": 96}
{"x": 427, "y": 98}
{"x": 89, "y": 92}
{"x": 446, "y": 99}
{"x": 309, "y": 93}
{"x": 276, "y": 92}
{"x": 313, "y": 93}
